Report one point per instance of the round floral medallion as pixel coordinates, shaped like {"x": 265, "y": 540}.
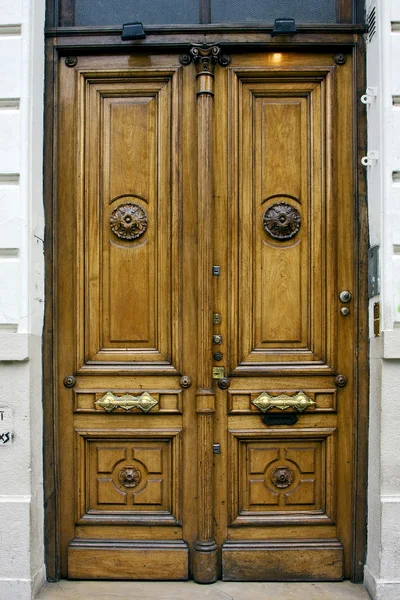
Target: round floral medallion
{"x": 129, "y": 477}
{"x": 282, "y": 477}
{"x": 128, "y": 221}
{"x": 282, "y": 221}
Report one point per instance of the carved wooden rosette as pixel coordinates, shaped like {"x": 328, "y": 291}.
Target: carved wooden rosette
{"x": 205, "y": 57}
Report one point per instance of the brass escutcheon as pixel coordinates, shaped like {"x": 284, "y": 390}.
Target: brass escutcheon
{"x": 218, "y": 372}
{"x": 300, "y": 401}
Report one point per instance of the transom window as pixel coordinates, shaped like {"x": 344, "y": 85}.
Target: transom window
{"x": 113, "y": 13}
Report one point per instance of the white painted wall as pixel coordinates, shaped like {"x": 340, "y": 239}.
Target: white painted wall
{"x": 21, "y": 295}
{"x": 382, "y": 572}
{"x": 21, "y": 300}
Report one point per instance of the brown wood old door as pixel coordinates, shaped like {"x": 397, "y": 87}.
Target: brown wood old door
{"x": 205, "y": 356}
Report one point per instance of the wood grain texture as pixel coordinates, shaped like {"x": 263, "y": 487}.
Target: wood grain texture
{"x": 281, "y": 325}
{"x": 205, "y": 549}
{"x": 125, "y": 157}
{"x": 289, "y": 560}
{"x": 346, "y": 11}
{"x": 50, "y": 413}
{"x": 120, "y": 473}
{"x": 361, "y": 408}
{"x": 105, "y": 497}
{"x": 256, "y": 460}
{"x": 281, "y": 312}
{"x": 131, "y": 560}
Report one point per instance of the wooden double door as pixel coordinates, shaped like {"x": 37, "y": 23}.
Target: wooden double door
{"x": 205, "y": 315}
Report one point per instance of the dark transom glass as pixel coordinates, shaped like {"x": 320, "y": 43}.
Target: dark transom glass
{"x": 179, "y": 12}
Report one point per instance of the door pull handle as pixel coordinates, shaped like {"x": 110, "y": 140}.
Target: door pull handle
{"x": 300, "y": 401}
{"x": 110, "y": 401}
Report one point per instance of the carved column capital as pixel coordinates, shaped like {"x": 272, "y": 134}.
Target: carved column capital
{"x": 205, "y": 57}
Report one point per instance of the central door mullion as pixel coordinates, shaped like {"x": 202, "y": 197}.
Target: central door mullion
{"x": 205, "y": 549}
{"x": 205, "y": 559}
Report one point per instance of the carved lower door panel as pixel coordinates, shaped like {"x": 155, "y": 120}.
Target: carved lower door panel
{"x": 284, "y": 200}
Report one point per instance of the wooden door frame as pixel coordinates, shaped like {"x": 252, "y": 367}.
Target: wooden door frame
{"x": 335, "y": 38}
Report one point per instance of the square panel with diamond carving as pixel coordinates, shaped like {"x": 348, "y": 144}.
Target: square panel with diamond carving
{"x": 282, "y": 475}
{"x": 131, "y": 476}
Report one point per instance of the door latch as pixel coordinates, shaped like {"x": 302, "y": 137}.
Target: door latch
{"x": 218, "y": 372}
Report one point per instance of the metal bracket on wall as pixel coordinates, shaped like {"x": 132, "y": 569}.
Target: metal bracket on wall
{"x": 370, "y": 95}
{"x": 370, "y": 159}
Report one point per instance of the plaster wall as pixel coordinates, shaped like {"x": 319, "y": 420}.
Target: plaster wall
{"x": 22, "y": 569}
{"x": 382, "y": 571}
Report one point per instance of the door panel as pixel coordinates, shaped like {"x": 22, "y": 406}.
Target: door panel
{"x": 284, "y": 194}
{"x": 162, "y": 176}
{"x": 131, "y": 476}
{"x": 129, "y": 186}
{"x": 282, "y": 278}
{"x": 282, "y": 477}
{"x": 124, "y": 499}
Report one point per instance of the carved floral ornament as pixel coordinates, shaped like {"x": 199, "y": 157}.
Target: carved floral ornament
{"x": 128, "y": 221}
{"x": 282, "y": 477}
{"x": 282, "y": 221}
{"x": 129, "y": 477}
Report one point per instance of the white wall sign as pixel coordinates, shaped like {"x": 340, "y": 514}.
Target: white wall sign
{"x": 6, "y": 426}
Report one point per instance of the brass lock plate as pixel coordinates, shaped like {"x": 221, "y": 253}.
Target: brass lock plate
{"x": 218, "y": 372}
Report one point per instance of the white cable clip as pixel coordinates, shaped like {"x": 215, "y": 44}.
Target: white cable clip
{"x": 370, "y": 93}
{"x": 370, "y": 159}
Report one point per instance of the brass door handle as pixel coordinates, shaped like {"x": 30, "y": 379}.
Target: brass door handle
{"x": 300, "y": 401}
{"x": 110, "y": 401}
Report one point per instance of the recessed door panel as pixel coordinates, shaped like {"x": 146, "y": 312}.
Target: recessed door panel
{"x": 281, "y": 222}
{"x": 129, "y": 234}
{"x": 131, "y": 477}
{"x": 282, "y": 476}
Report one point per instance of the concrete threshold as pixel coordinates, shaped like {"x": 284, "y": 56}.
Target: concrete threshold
{"x": 221, "y": 590}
